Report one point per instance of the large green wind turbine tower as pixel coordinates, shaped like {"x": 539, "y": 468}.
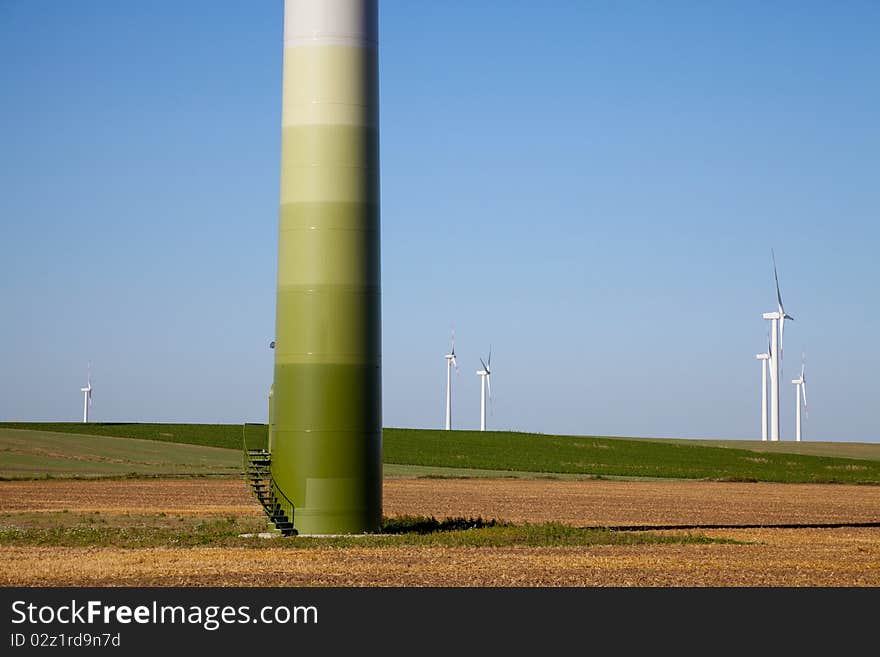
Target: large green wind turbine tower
{"x": 326, "y": 423}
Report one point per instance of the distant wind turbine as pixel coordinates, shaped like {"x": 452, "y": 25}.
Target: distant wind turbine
{"x": 801, "y": 396}
{"x": 777, "y": 324}
{"x": 486, "y": 381}
{"x": 87, "y": 395}
{"x": 450, "y": 363}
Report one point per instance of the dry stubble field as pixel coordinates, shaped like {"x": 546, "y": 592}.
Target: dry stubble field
{"x": 845, "y": 556}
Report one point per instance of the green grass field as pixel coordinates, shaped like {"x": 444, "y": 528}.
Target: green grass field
{"x": 34, "y": 454}
{"x": 616, "y": 457}
{"x": 209, "y": 435}
{"x": 493, "y": 453}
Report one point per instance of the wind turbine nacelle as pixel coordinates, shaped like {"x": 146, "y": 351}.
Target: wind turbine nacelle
{"x": 773, "y": 315}
{"x": 762, "y": 356}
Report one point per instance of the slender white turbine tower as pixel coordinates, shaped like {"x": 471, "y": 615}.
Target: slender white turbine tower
{"x": 764, "y": 358}
{"x": 87, "y": 396}
{"x": 450, "y": 363}
{"x": 486, "y": 381}
{"x": 777, "y": 329}
{"x": 800, "y": 395}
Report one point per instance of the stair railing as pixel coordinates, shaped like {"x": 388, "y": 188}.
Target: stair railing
{"x": 279, "y": 497}
{"x": 282, "y": 500}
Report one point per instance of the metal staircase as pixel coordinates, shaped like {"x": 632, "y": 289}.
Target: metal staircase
{"x": 279, "y": 509}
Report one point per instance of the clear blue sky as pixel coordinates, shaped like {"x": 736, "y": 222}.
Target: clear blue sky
{"x": 593, "y": 188}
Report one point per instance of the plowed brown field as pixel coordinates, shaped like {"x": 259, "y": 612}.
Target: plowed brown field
{"x": 770, "y": 557}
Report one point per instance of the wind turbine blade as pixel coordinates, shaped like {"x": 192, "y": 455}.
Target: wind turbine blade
{"x": 455, "y": 363}
{"x": 489, "y": 384}
{"x": 776, "y": 278}
{"x": 489, "y": 362}
{"x": 804, "y": 393}
{"x": 782, "y": 314}
{"x": 485, "y": 369}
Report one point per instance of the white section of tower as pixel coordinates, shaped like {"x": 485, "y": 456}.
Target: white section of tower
{"x": 774, "y": 374}
{"x": 763, "y": 358}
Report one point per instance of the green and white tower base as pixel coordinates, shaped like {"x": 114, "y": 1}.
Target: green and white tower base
{"x": 326, "y": 417}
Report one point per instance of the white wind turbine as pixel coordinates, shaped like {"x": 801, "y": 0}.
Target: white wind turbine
{"x": 87, "y": 396}
{"x": 450, "y": 363}
{"x": 777, "y": 329}
{"x": 764, "y": 358}
{"x": 486, "y": 381}
{"x": 800, "y": 395}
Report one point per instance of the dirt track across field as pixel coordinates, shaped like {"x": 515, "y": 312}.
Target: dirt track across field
{"x": 179, "y": 496}
{"x": 581, "y": 503}
{"x": 768, "y": 557}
